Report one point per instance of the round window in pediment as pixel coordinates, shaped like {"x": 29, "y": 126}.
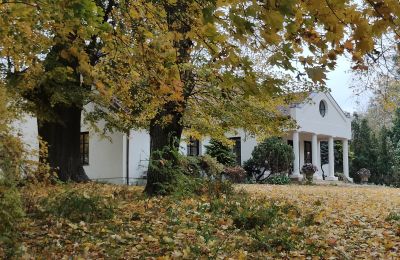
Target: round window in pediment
{"x": 322, "y": 108}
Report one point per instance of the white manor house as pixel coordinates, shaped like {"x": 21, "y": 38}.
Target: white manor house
{"x": 123, "y": 158}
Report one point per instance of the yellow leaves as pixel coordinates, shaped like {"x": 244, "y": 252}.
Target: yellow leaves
{"x": 319, "y": 218}
{"x": 225, "y": 223}
{"x": 317, "y": 74}
{"x": 348, "y": 45}
{"x": 331, "y": 241}
{"x": 133, "y": 12}
{"x": 242, "y": 255}
{"x": 188, "y": 229}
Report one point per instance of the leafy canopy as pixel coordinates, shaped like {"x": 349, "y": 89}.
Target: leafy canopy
{"x": 219, "y": 60}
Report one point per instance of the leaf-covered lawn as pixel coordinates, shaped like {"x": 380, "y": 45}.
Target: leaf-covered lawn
{"x": 354, "y": 222}
{"x": 276, "y": 221}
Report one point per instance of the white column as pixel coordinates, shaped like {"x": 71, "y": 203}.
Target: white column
{"x": 296, "y": 150}
{"x": 319, "y": 158}
{"x": 314, "y": 151}
{"x": 331, "y": 151}
{"x": 346, "y": 159}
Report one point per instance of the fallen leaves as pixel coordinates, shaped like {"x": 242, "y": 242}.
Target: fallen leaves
{"x": 352, "y": 221}
{"x": 312, "y": 221}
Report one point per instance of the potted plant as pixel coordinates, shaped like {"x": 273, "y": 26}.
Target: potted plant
{"x": 309, "y": 169}
{"x": 364, "y": 174}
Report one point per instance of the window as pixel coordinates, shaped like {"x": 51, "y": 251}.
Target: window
{"x": 290, "y": 142}
{"x": 193, "y": 147}
{"x": 236, "y": 149}
{"x": 322, "y": 108}
{"x": 307, "y": 152}
{"x": 84, "y": 146}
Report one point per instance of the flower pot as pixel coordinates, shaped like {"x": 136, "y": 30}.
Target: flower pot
{"x": 309, "y": 176}
{"x": 364, "y": 179}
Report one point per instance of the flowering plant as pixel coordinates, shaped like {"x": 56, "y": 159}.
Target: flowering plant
{"x": 364, "y": 173}
{"x": 308, "y": 168}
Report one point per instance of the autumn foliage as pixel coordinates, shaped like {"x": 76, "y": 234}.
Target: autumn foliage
{"x": 269, "y": 221}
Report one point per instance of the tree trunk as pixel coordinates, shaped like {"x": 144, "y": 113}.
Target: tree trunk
{"x": 163, "y": 137}
{"x": 166, "y": 127}
{"x": 63, "y": 141}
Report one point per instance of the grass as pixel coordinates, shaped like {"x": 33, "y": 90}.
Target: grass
{"x": 291, "y": 221}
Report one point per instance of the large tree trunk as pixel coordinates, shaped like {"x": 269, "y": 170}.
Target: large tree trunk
{"x": 166, "y": 128}
{"x": 63, "y": 141}
{"x": 163, "y": 137}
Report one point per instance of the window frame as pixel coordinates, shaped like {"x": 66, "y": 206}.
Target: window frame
{"x": 323, "y": 108}
{"x": 308, "y": 149}
{"x": 237, "y": 149}
{"x": 84, "y": 148}
{"x": 191, "y": 145}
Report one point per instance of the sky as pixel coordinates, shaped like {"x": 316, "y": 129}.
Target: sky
{"x": 339, "y": 81}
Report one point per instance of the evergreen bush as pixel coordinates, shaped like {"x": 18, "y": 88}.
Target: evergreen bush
{"x": 278, "y": 180}
{"x": 221, "y": 152}
{"x": 271, "y": 157}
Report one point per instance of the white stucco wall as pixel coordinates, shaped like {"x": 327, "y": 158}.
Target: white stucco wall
{"x": 139, "y": 153}
{"x": 27, "y": 130}
{"x": 309, "y": 119}
{"x": 247, "y": 144}
{"x": 106, "y": 158}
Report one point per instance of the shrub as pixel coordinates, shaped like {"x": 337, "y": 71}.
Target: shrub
{"x": 273, "y": 156}
{"x": 200, "y": 166}
{"x": 167, "y": 164}
{"x": 248, "y": 217}
{"x": 187, "y": 175}
{"x": 279, "y": 180}
{"x": 221, "y": 152}
{"x": 211, "y": 166}
{"x": 235, "y": 174}
{"x": 393, "y": 216}
{"x": 218, "y": 188}
{"x": 11, "y": 213}
{"x": 11, "y": 157}
{"x": 186, "y": 186}
{"x": 191, "y": 166}
{"x": 249, "y": 214}
{"x": 77, "y": 206}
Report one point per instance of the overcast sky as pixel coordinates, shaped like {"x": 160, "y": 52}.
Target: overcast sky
{"x": 339, "y": 81}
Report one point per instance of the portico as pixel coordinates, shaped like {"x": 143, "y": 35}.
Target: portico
{"x": 319, "y": 119}
{"x": 302, "y": 155}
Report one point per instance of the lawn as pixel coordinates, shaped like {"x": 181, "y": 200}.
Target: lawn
{"x": 94, "y": 221}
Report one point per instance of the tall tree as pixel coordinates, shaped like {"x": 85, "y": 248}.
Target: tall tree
{"x": 394, "y": 179}
{"x": 209, "y": 66}
{"x": 50, "y": 50}
{"x": 363, "y": 147}
{"x": 385, "y": 161}
{"x": 213, "y": 62}
{"x": 395, "y": 131}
